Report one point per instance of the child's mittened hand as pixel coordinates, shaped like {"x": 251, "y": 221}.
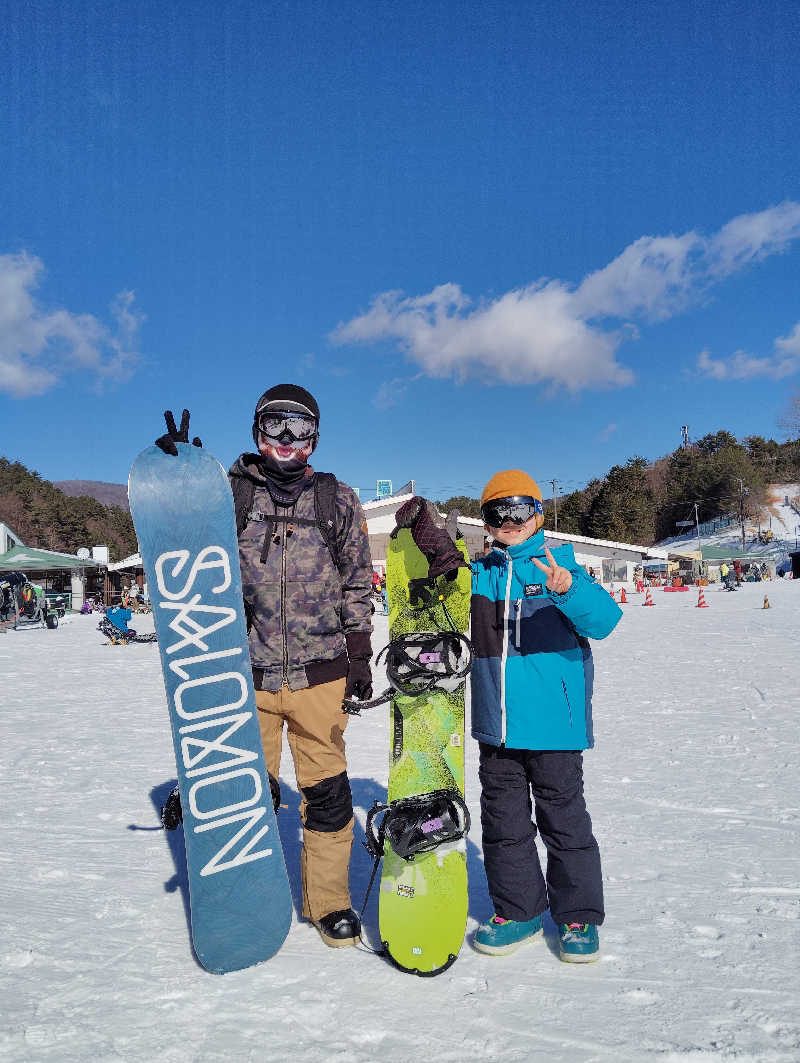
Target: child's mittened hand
{"x": 559, "y": 580}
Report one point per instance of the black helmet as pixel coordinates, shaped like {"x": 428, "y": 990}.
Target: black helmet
{"x": 289, "y": 397}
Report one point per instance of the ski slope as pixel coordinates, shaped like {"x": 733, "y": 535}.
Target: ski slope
{"x": 693, "y": 789}
{"x": 777, "y": 516}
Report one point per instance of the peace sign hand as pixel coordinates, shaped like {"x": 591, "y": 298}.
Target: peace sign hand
{"x": 559, "y": 580}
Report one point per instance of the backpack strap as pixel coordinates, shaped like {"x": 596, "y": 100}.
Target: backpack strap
{"x": 243, "y": 493}
{"x": 325, "y": 484}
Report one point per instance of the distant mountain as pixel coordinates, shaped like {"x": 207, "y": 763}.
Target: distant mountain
{"x": 107, "y": 494}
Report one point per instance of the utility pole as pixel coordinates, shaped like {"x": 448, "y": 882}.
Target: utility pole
{"x": 741, "y": 510}
{"x": 555, "y": 505}
{"x": 697, "y": 525}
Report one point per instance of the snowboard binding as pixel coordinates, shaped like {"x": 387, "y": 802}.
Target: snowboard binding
{"x": 417, "y": 824}
{"x": 419, "y": 662}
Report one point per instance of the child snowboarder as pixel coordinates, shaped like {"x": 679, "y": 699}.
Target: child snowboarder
{"x": 533, "y": 611}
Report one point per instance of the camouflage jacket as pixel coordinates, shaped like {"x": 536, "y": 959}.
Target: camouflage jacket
{"x": 305, "y": 618}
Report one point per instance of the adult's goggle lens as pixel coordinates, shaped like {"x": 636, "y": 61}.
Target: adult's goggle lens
{"x": 515, "y": 510}
{"x": 277, "y": 424}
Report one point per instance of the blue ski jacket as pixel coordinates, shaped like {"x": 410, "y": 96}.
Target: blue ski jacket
{"x": 533, "y": 672}
{"x": 119, "y": 617}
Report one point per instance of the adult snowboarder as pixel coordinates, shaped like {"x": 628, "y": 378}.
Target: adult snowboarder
{"x": 306, "y": 580}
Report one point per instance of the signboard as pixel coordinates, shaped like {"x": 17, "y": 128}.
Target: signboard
{"x": 684, "y": 523}
{"x": 383, "y": 488}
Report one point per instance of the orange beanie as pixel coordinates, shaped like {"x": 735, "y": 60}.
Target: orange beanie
{"x": 508, "y": 483}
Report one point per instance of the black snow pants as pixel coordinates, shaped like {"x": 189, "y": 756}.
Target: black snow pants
{"x": 573, "y": 889}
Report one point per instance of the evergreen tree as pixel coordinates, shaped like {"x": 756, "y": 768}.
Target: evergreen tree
{"x": 45, "y": 517}
{"x": 467, "y": 507}
{"x": 624, "y": 508}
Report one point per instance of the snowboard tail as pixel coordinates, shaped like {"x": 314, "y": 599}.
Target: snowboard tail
{"x": 239, "y": 892}
{"x": 423, "y": 901}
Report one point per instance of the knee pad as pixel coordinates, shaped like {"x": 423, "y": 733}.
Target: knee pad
{"x": 329, "y": 804}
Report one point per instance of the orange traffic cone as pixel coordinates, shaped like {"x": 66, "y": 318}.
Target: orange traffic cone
{"x": 701, "y": 600}
{"x": 622, "y": 599}
{"x": 766, "y": 603}
{"x": 648, "y": 598}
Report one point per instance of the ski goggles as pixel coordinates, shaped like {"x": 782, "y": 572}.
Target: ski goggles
{"x": 277, "y": 423}
{"x": 514, "y": 510}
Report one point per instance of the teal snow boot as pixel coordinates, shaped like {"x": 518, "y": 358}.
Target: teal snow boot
{"x": 499, "y": 936}
{"x": 578, "y": 942}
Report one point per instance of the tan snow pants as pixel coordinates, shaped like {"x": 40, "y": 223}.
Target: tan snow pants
{"x": 315, "y": 727}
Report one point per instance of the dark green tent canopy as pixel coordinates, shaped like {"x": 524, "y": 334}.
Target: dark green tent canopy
{"x": 28, "y": 559}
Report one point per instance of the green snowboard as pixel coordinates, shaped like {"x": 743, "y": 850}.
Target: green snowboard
{"x": 422, "y": 908}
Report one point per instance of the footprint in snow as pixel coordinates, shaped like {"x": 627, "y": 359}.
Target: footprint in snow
{"x": 711, "y": 932}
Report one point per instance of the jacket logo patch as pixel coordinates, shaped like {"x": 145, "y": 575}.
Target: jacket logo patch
{"x": 532, "y": 590}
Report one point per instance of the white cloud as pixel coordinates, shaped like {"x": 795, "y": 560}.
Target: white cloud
{"x": 651, "y": 279}
{"x": 391, "y": 392}
{"x": 750, "y": 238}
{"x": 565, "y": 335}
{"x": 525, "y": 336}
{"x": 607, "y": 433}
{"x": 38, "y": 345}
{"x": 744, "y": 366}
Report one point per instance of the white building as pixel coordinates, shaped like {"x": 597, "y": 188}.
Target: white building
{"x": 8, "y": 538}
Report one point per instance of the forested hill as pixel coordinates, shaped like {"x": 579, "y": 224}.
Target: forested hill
{"x": 642, "y": 501}
{"x": 44, "y": 516}
{"x": 108, "y": 494}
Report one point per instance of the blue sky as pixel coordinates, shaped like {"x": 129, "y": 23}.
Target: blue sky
{"x": 484, "y": 235}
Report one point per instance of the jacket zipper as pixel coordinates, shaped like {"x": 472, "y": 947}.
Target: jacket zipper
{"x": 518, "y": 633}
{"x": 284, "y": 635}
{"x": 566, "y": 698}
{"x": 504, "y": 657}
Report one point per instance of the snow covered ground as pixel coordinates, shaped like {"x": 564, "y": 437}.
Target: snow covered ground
{"x": 694, "y": 793}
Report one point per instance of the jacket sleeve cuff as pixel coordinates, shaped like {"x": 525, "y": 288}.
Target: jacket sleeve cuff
{"x": 359, "y": 645}
{"x": 567, "y": 595}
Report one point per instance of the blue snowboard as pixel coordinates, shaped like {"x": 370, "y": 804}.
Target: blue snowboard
{"x": 240, "y": 899}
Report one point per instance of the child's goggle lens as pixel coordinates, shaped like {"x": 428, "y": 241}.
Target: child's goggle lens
{"x": 276, "y": 424}
{"x": 515, "y": 510}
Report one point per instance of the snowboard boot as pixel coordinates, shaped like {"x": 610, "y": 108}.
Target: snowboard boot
{"x": 172, "y": 813}
{"x": 339, "y": 929}
{"x": 578, "y": 942}
{"x": 500, "y": 936}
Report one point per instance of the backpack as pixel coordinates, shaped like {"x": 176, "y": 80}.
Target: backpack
{"x": 325, "y": 484}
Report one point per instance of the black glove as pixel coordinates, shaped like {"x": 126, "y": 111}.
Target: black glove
{"x": 174, "y": 435}
{"x": 408, "y": 514}
{"x": 441, "y": 552}
{"x": 359, "y": 680}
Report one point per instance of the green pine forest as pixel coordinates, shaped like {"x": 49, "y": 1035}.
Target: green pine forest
{"x": 43, "y": 516}
{"x": 641, "y": 501}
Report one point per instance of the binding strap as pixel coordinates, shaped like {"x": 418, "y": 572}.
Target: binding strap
{"x": 417, "y": 824}
{"x": 418, "y": 662}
